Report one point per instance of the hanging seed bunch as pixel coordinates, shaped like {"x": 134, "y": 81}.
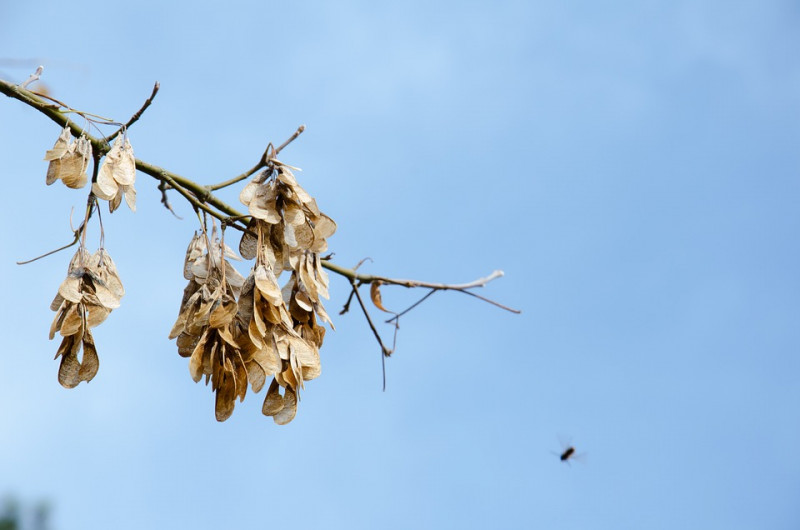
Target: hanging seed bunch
{"x": 273, "y": 331}
{"x": 85, "y": 298}
{"x": 290, "y": 233}
{"x": 69, "y": 159}
{"x": 117, "y": 175}
{"x": 205, "y": 326}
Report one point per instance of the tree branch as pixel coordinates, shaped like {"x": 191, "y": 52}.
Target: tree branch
{"x": 202, "y": 198}
{"x": 385, "y": 352}
{"x": 266, "y": 160}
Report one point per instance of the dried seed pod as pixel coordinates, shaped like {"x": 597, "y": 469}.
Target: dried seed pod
{"x": 117, "y": 175}
{"x": 209, "y": 328}
{"x": 68, "y": 160}
{"x": 238, "y": 331}
{"x": 84, "y": 300}
{"x": 287, "y": 232}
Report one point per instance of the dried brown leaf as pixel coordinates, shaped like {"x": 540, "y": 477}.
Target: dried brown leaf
{"x": 375, "y": 295}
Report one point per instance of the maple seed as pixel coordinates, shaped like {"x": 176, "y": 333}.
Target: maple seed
{"x": 117, "y": 175}
{"x": 68, "y": 160}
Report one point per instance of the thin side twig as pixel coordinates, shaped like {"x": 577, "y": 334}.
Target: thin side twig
{"x": 235, "y": 179}
{"x": 78, "y": 233}
{"x": 162, "y": 187}
{"x": 385, "y": 352}
{"x": 269, "y": 153}
{"x": 291, "y": 139}
{"x": 59, "y": 249}
{"x": 412, "y": 306}
{"x": 138, "y": 113}
{"x": 33, "y": 77}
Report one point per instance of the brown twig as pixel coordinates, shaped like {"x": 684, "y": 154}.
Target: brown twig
{"x": 291, "y": 139}
{"x": 369, "y": 278}
{"x": 412, "y": 306}
{"x": 162, "y": 187}
{"x": 346, "y": 306}
{"x": 137, "y": 115}
{"x": 385, "y": 352}
{"x": 235, "y": 179}
{"x": 269, "y": 153}
{"x": 65, "y": 247}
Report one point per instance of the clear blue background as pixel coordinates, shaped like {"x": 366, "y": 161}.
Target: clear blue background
{"x": 631, "y": 166}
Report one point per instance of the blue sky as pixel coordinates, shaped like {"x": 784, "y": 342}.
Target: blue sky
{"x": 632, "y": 167}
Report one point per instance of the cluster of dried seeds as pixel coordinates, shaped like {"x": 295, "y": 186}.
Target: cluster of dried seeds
{"x": 117, "y": 175}
{"x": 240, "y": 331}
{"x": 85, "y": 298}
{"x": 205, "y": 327}
{"x": 69, "y": 159}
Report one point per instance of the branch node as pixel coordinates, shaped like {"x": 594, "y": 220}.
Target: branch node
{"x": 33, "y": 77}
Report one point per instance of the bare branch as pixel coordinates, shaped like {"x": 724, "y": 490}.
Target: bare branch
{"x": 202, "y": 198}
{"x": 269, "y": 153}
{"x": 137, "y": 115}
{"x": 162, "y": 187}
{"x": 71, "y": 243}
{"x": 412, "y": 306}
{"x": 291, "y": 139}
{"x": 78, "y": 233}
{"x": 236, "y": 179}
{"x": 346, "y": 307}
{"x": 490, "y": 301}
{"x": 385, "y": 352}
